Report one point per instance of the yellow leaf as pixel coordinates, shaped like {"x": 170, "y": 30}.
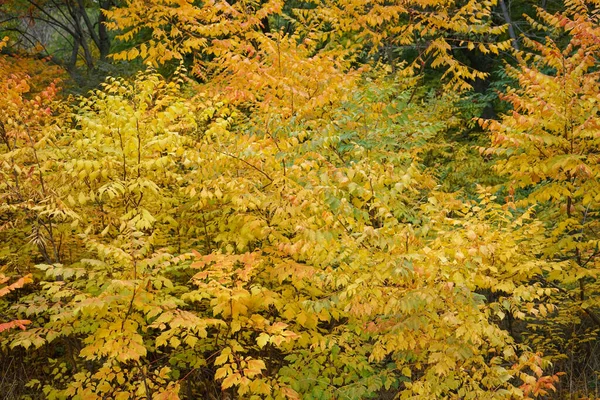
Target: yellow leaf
{"x": 262, "y": 340}
{"x": 230, "y": 381}
{"x": 222, "y": 359}
{"x": 222, "y": 372}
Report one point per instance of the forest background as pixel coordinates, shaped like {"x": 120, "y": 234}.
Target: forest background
{"x": 326, "y": 199}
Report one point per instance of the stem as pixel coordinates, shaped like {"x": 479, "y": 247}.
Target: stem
{"x": 206, "y": 237}
{"x": 145, "y": 378}
{"x": 247, "y": 163}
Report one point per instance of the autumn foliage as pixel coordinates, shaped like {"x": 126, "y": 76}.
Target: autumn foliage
{"x": 264, "y": 222}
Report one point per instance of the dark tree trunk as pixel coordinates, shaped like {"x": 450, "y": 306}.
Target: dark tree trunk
{"x": 74, "y": 53}
{"x": 103, "y": 38}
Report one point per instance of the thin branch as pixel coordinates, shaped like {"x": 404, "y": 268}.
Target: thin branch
{"x": 88, "y": 23}
{"x": 51, "y": 20}
{"x": 60, "y": 10}
{"x": 247, "y": 163}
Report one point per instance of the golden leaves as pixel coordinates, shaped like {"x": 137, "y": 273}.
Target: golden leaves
{"x": 323, "y": 247}
{"x": 240, "y": 371}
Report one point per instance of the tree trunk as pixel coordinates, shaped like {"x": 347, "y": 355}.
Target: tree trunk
{"x": 511, "y": 28}
{"x": 104, "y": 39}
{"x": 74, "y": 53}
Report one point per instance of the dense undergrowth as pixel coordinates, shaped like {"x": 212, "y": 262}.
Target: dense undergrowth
{"x": 292, "y": 225}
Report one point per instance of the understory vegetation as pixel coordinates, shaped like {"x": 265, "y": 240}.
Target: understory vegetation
{"x": 299, "y": 200}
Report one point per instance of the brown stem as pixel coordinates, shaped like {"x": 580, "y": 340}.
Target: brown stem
{"x": 247, "y": 163}
{"x": 145, "y": 378}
